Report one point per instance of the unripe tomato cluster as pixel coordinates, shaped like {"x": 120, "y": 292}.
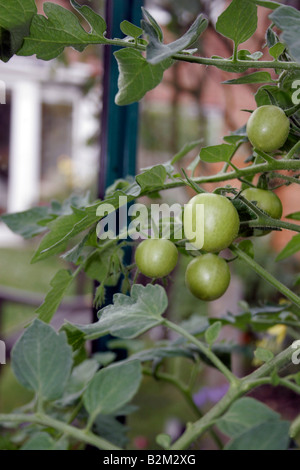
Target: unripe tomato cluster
{"x": 208, "y": 276}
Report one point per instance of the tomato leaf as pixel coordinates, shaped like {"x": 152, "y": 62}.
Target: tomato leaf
{"x": 256, "y": 77}
{"x": 149, "y": 18}
{"x": 80, "y": 377}
{"x": 213, "y": 332}
{"x": 217, "y": 153}
{"x": 271, "y": 435}
{"x": 127, "y": 317}
{"x": 260, "y": 318}
{"x": 263, "y": 355}
{"x": 62, "y": 230}
{"x": 294, "y": 216}
{"x": 96, "y": 22}
{"x": 27, "y": 223}
{"x": 245, "y": 414}
{"x": 152, "y": 179}
{"x": 130, "y": 29}
{"x": 254, "y": 426}
{"x": 288, "y": 20}
{"x": 292, "y": 247}
{"x": 136, "y": 75}
{"x": 271, "y": 94}
{"x": 59, "y": 284}
{"x": 42, "y": 360}
{"x": 110, "y": 428}
{"x": 267, "y": 4}
{"x": 43, "y": 441}
{"x": 276, "y": 50}
{"x": 239, "y": 21}
{"x": 15, "y": 20}
{"x": 158, "y": 52}
{"x": 50, "y": 34}
{"x": 111, "y": 388}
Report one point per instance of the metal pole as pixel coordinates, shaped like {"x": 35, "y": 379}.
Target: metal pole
{"x": 119, "y": 124}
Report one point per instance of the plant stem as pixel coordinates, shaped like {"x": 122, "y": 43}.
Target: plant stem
{"x": 179, "y": 385}
{"x": 291, "y": 179}
{"x": 195, "y": 430}
{"x": 246, "y": 64}
{"x": 292, "y": 110}
{"x": 236, "y": 390}
{"x": 264, "y": 155}
{"x": 293, "y": 150}
{"x": 73, "y": 415}
{"x": 272, "y": 223}
{"x": 186, "y": 393}
{"x": 266, "y": 275}
{"x": 204, "y": 349}
{"x": 261, "y": 375}
{"x": 235, "y": 53}
{"x": 228, "y": 63}
{"x": 290, "y": 165}
{"x": 47, "y": 421}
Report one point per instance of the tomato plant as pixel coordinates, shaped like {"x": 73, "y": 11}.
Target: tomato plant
{"x": 77, "y": 394}
{"x": 207, "y": 276}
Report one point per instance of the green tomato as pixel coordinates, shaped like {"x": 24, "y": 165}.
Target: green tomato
{"x": 207, "y": 277}
{"x": 156, "y": 257}
{"x": 268, "y": 128}
{"x": 221, "y": 221}
{"x": 267, "y": 201}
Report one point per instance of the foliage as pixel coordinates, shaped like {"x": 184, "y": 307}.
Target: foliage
{"x": 66, "y": 384}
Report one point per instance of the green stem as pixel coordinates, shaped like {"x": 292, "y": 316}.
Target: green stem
{"x": 195, "y": 430}
{"x": 295, "y": 428}
{"x": 229, "y": 63}
{"x": 72, "y": 416}
{"x": 292, "y": 110}
{"x": 266, "y": 275}
{"x": 187, "y": 396}
{"x": 179, "y": 385}
{"x": 236, "y": 390}
{"x": 291, "y": 179}
{"x": 235, "y": 53}
{"x": 292, "y": 152}
{"x": 272, "y": 223}
{"x": 264, "y": 155}
{"x": 44, "y": 420}
{"x": 290, "y": 165}
{"x": 266, "y": 369}
{"x": 204, "y": 349}
{"x": 287, "y": 384}
{"x": 245, "y": 64}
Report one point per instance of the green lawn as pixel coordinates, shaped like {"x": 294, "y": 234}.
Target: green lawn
{"x": 17, "y": 272}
